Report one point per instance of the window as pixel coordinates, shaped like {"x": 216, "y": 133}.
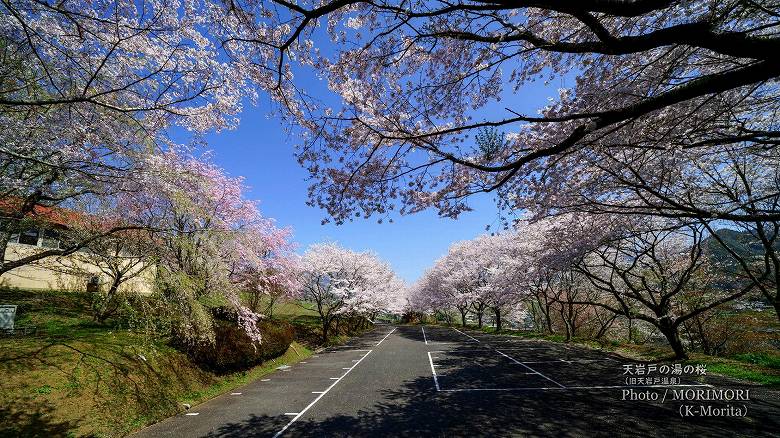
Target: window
{"x": 51, "y": 239}
{"x": 29, "y": 237}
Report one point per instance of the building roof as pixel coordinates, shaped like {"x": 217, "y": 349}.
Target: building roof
{"x": 51, "y": 215}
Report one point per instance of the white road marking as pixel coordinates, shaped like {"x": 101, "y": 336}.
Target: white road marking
{"x": 433, "y": 370}
{"x": 383, "y": 339}
{"x": 291, "y": 413}
{"x": 425, "y": 338}
{"x": 235, "y": 393}
{"x": 192, "y": 414}
{"x": 304, "y": 362}
{"x": 347, "y": 367}
{"x": 335, "y": 378}
{"x": 531, "y": 369}
{"x": 464, "y": 334}
{"x": 265, "y": 380}
{"x": 298, "y": 415}
{"x": 318, "y": 392}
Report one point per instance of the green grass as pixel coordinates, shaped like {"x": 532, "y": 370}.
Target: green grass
{"x": 288, "y": 309}
{"x": 739, "y": 370}
{"x": 763, "y": 359}
{"x": 81, "y": 379}
{"x": 295, "y": 353}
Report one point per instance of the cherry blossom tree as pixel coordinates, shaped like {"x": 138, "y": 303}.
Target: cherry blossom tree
{"x": 424, "y": 118}
{"x": 119, "y": 258}
{"x": 340, "y": 282}
{"x": 88, "y": 89}
{"x": 656, "y": 100}
{"x": 209, "y": 240}
{"x": 485, "y": 273}
{"x": 649, "y": 272}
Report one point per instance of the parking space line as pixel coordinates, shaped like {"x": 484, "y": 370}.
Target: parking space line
{"x": 435, "y": 379}
{"x": 383, "y": 339}
{"x": 425, "y": 338}
{"x": 520, "y": 363}
{"x": 298, "y": 415}
{"x": 464, "y": 334}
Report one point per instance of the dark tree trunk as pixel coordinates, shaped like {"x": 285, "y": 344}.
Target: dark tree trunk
{"x": 548, "y": 319}
{"x": 497, "y": 311}
{"x": 673, "y": 337}
{"x": 325, "y": 329}
{"x": 777, "y": 305}
{"x": 463, "y": 318}
{"x": 605, "y": 326}
{"x": 479, "y": 318}
{"x": 107, "y": 308}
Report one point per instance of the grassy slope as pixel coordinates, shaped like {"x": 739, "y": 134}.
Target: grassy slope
{"x": 79, "y": 379}
{"x": 761, "y": 368}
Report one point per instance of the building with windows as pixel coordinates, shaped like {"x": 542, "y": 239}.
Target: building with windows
{"x": 74, "y": 272}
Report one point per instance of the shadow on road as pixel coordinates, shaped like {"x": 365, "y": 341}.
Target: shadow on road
{"x": 416, "y": 409}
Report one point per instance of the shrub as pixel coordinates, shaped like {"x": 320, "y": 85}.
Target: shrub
{"x": 233, "y": 350}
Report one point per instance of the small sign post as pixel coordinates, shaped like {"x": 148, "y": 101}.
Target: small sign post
{"x": 7, "y": 316}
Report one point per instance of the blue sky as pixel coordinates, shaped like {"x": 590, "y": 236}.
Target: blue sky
{"x": 263, "y": 152}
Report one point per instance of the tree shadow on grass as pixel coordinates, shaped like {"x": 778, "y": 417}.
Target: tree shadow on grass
{"x": 101, "y": 378}
{"x": 28, "y": 421}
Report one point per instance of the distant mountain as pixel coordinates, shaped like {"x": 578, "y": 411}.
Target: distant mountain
{"x": 747, "y": 246}
{"x": 741, "y": 242}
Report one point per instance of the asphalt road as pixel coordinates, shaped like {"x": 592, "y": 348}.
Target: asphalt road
{"x": 417, "y": 381}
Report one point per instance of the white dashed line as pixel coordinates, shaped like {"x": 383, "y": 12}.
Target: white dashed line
{"x": 265, "y": 380}
{"x": 235, "y": 393}
{"x": 383, "y": 339}
{"x": 298, "y": 415}
{"x": 425, "y": 338}
{"x": 192, "y": 414}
